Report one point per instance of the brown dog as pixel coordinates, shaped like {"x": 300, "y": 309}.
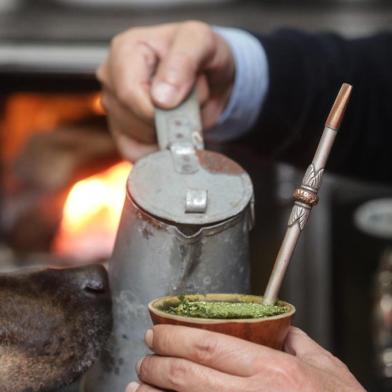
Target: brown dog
{"x": 53, "y": 324}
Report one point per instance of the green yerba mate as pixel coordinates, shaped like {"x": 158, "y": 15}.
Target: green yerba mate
{"x": 224, "y": 310}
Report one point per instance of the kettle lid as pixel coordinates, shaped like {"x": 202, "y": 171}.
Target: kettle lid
{"x": 207, "y": 188}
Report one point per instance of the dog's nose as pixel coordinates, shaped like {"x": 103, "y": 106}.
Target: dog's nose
{"x": 94, "y": 286}
{"x": 95, "y": 280}
{"x": 92, "y": 279}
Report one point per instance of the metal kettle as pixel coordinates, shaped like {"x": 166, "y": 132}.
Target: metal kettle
{"x": 184, "y": 229}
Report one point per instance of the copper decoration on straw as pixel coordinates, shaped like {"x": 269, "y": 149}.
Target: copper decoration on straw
{"x": 305, "y": 197}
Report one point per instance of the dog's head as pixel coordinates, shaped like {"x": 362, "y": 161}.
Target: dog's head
{"x": 53, "y": 324}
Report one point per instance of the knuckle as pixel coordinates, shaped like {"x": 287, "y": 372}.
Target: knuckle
{"x": 197, "y": 27}
{"x": 291, "y": 372}
{"x": 147, "y": 53}
{"x": 182, "y": 60}
{"x": 180, "y": 68}
{"x": 205, "y": 350}
{"x": 178, "y": 373}
{"x": 144, "y": 369}
{"x": 162, "y": 338}
{"x": 297, "y": 331}
{"x": 127, "y": 37}
{"x": 122, "y": 41}
{"x": 117, "y": 41}
{"x": 325, "y": 357}
{"x": 202, "y": 31}
{"x": 334, "y": 361}
{"x": 125, "y": 95}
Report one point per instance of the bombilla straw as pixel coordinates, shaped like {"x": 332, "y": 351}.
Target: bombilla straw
{"x": 305, "y": 197}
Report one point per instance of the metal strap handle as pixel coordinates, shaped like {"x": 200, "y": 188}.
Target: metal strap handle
{"x": 180, "y": 131}
{"x": 181, "y": 125}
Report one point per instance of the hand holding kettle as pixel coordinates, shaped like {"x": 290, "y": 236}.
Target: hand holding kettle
{"x": 157, "y": 66}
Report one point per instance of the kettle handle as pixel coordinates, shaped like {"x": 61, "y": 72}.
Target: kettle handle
{"x": 180, "y": 126}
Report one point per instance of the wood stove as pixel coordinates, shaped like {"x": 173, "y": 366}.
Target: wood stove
{"x": 53, "y": 135}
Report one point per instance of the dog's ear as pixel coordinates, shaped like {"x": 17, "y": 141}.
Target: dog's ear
{"x": 53, "y": 324}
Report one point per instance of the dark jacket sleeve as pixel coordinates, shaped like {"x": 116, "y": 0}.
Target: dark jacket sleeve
{"x": 305, "y": 74}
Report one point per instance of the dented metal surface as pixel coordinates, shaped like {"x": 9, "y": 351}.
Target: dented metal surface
{"x": 151, "y": 259}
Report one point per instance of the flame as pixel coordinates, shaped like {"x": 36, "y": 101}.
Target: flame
{"x": 91, "y": 214}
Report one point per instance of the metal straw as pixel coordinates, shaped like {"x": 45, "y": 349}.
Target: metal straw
{"x": 305, "y": 197}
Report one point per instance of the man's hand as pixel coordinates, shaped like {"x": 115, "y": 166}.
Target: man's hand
{"x": 193, "y": 360}
{"x": 157, "y": 66}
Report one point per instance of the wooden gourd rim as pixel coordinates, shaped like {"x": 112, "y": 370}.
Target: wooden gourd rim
{"x": 246, "y": 298}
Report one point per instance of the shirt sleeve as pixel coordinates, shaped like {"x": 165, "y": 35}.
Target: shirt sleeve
{"x": 250, "y": 86}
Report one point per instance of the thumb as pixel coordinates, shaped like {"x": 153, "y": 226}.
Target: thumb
{"x": 192, "y": 47}
{"x": 298, "y": 343}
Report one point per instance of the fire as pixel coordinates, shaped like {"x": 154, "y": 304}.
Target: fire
{"x": 91, "y": 214}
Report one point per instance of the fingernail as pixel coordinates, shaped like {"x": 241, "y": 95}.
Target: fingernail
{"x": 138, "y": 365}
{"x": 132, "y": 387}
{"x": 148, "y": 337}
{"x": 164, "y": 93}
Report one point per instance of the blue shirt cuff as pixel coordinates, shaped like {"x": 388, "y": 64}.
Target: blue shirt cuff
{"x": 250, "y": 86}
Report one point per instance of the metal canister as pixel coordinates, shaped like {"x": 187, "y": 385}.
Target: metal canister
{"x": 184, "y": 229}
